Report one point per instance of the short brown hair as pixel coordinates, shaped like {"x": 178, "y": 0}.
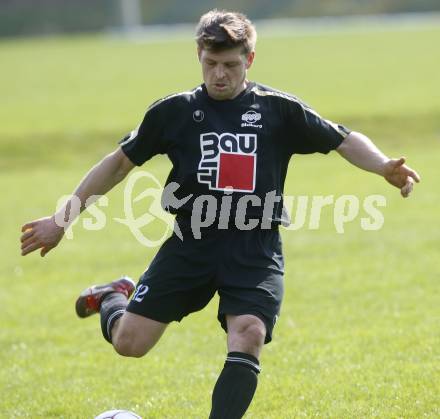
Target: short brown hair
{"x": 219, "y": 30}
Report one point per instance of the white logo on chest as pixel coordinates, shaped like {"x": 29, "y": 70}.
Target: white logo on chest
{"x": 250, "y": 118}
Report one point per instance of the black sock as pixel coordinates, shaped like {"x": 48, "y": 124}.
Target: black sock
{"x": 235, "y": 387}
{"x": 112, "y": 307}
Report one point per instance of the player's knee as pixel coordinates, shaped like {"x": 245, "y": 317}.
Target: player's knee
{"x": 255, "y": 333}
{"x": 250, "y": 335}
{"x": 126, "y": 345}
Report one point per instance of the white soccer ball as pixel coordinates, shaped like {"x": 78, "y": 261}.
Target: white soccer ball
{"x": 118, "y": 414}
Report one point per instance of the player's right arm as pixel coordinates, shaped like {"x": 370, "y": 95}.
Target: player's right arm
{"x": 45, "y": 234}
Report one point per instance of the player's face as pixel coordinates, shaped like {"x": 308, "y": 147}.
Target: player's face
{"x": 224, "y": 73}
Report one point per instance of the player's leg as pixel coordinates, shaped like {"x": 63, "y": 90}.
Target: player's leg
{"x": 134, "y": 335}
{"x": 130, "y": 334}
{"x": 246, "y": 333}
{"x": 251, "y": 290}
{"x": 238, "y": 380}
{"x": 178, "y": 281}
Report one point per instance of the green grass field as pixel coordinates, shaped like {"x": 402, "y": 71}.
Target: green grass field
{"x": 359, "y": 332}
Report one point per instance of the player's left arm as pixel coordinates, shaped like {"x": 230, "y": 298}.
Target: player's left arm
{"x": 359, "y": 150}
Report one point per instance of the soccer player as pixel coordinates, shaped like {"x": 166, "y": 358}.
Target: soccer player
{"x": 230, "y": 141}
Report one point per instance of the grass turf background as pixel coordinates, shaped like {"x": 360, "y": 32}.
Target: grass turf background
{"x": 359, "y": 331}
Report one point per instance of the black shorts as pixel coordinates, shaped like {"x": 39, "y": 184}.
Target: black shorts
{"x": 245, "y": 267}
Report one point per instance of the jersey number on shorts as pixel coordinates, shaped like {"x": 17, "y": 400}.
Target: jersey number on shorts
{"x": 140, "y": 293}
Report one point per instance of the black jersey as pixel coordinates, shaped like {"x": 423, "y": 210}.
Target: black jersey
{"x": 239, "y": 147}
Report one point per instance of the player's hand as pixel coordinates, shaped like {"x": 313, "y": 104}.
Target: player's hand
{"x": 401, "y": 176}
{"x": 42, "y": 234}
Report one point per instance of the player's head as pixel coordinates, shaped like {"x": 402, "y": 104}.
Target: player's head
{"x": 226, "y": 49}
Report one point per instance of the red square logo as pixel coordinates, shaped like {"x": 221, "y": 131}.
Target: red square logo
{"x": 237, "y": 171}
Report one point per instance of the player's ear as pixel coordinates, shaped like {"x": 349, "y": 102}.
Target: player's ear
{"x": 250, "y": 59}
{"x": 199, "y": 53}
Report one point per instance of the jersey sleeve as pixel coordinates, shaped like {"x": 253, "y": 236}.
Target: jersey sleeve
{"x": 147, "y": 140}
{"x": 309, "y": 132}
